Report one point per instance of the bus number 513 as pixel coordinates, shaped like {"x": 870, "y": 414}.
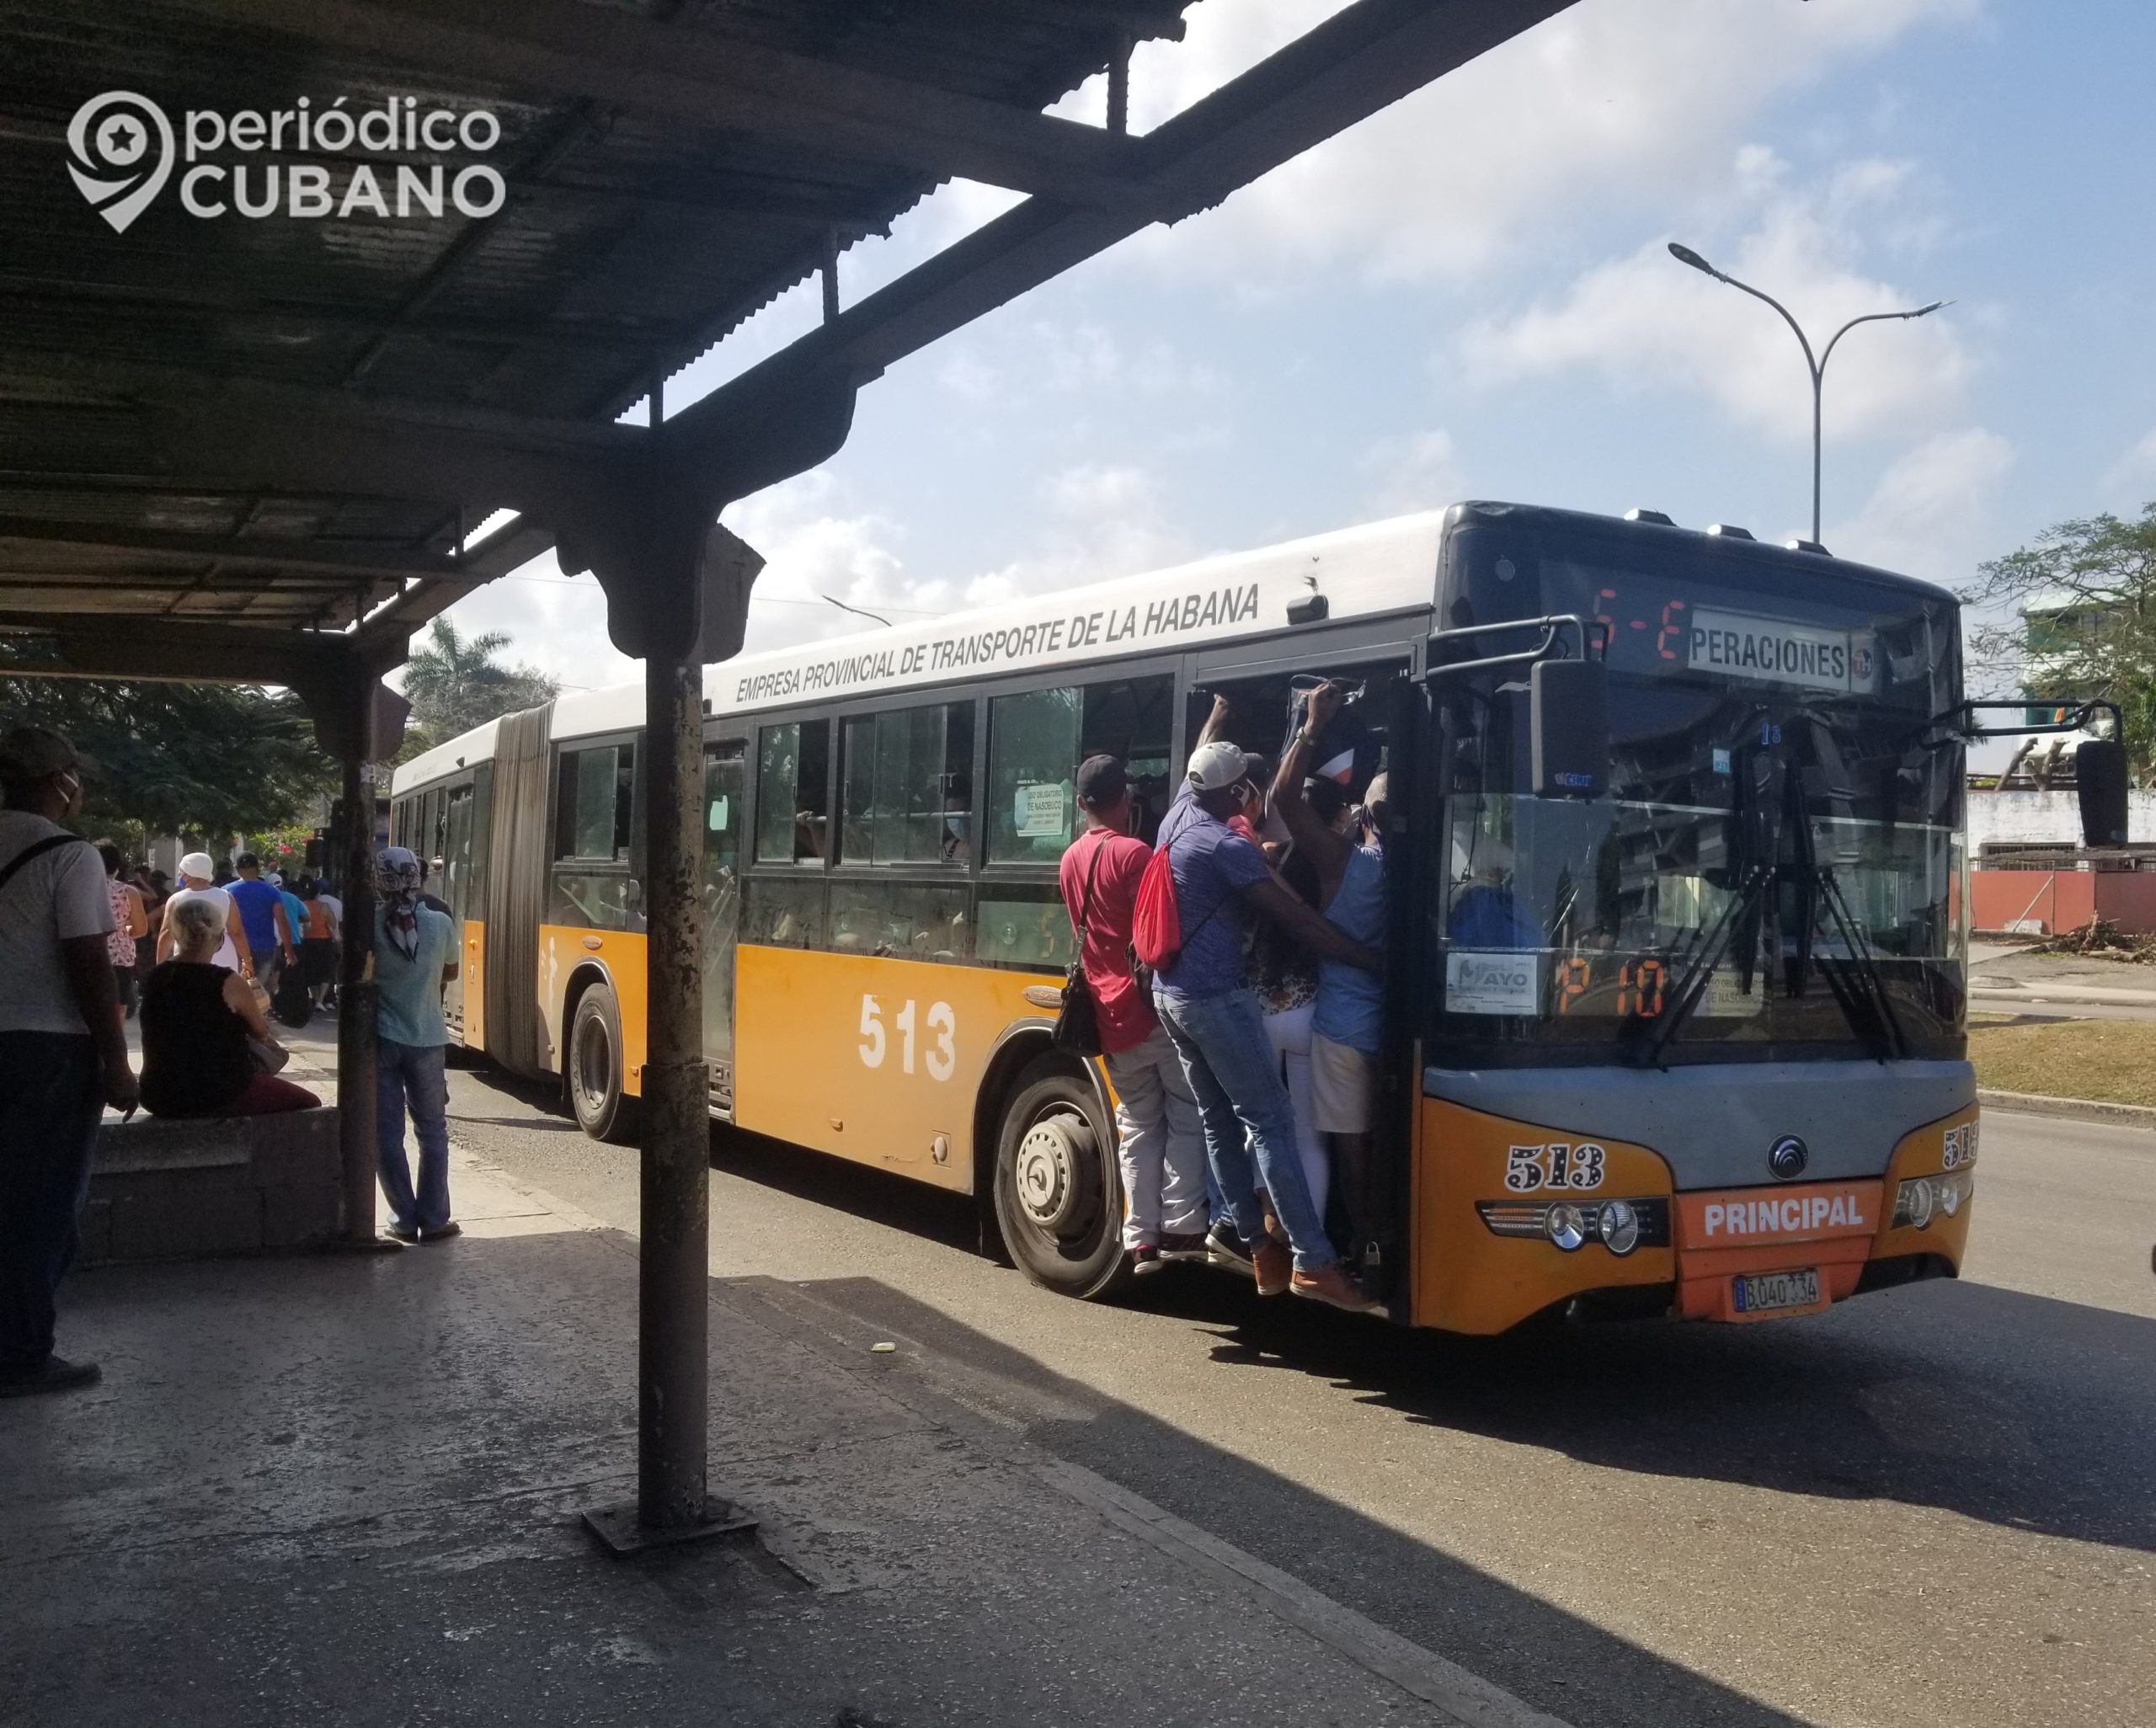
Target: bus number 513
{"x": 941, "y": 1056}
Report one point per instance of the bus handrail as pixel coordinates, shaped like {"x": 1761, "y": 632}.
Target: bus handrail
{"x": 1550, "y": 627}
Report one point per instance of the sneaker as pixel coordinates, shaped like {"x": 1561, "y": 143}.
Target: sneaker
{"x": 1272, "y": 1265}
{"x": 54, "y": 1374}
{"x": 1331, "y": 1284}
{"x": 1184, "y": 1245}
{"x": 442, "y": 1233}
{"x": 1224, "y": 1246}
{"x": 402, "y": 1232}
{"x": 1146, "y": 1258}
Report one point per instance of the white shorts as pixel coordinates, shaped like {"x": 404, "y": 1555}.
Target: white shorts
{"x": 1343, "y": 1087}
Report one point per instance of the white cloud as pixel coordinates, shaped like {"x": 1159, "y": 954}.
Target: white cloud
{"x": 1929, "y": 513}
{"x": 2133, "y": 475}
{"x": 1645, "y": 322}
{"x": 1012, "y": 360}
{"x": 1420, "y": 471}
{"x": 1605, "y": 102}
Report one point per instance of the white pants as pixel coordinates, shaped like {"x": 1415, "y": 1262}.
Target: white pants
{"x": 1160, "y": 1142}
{"x": 1290, "y": 1032}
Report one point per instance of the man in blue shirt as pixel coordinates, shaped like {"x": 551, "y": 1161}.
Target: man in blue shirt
{"x": 1211, "y": 1014}
{"x": 270, "y": 937}
{"x": 415, "y": 955}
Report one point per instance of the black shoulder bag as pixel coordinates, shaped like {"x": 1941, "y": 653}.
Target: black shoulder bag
{"x": 1078, "y": 1030}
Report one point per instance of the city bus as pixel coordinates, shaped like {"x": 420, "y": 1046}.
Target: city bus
{"x": 1676, "y": 993}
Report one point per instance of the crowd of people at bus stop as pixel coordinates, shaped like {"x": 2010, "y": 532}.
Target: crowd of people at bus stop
{"x": 1245, "y": 1063}
{"x": 87, "y": 943}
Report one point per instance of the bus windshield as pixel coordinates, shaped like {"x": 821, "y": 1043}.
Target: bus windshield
{"x": 1776, "y": 862}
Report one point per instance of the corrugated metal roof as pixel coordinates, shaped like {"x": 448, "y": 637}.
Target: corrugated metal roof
{"x": 629, "y": 243}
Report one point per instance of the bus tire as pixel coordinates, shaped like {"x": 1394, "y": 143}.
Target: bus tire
{"x": 1058, "y": 1196}
{"x": 593, "y": 1074}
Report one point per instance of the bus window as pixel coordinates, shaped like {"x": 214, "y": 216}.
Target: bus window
{"x": 793, "y": 792}
{"x": 1036, "y": 742}
{"x": 913, "y": 920}
{"x": 906, "y": 797}
{"x": 596, "y": 796}
{"x": 1025, "y": 925}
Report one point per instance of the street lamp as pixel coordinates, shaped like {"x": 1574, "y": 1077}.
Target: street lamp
{"x": 1685, "y": 255}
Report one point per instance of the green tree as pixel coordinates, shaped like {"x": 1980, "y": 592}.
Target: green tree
{"x": 456, "y": 682}
{"x": 200, "y": 758}
{"x": 2074, "y": 615}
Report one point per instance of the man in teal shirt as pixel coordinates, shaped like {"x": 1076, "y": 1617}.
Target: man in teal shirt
{"x": 415, "y": 955}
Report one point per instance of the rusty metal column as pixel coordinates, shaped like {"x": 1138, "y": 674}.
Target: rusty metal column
{"x": 673, "y": 1306}
{"x": 356, "y": 1051}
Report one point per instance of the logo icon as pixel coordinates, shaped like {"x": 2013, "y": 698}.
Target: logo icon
{"x": 121, "y": 150}
{"x": 1787, "y": 1158}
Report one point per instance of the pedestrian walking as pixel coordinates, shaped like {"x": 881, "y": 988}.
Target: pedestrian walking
{"x": 414, "y": 956}
{"x": 130, "y": 921}
{"x": 197, "y": 880}
{"x": 1160, "y": 1141}
{"x": 63, "y": 1054}
{"x": 271, "y": 938}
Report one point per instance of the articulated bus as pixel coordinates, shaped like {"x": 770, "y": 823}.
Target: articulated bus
{"x": 1676, "y": 991}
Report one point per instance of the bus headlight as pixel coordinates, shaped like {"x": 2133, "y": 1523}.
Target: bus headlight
{"x": 1619, "y": 1227}
{"x": 1566, "y": 1227}
{"x": 1921, "y": 1199}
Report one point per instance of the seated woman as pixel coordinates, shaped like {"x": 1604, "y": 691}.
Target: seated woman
{"x": 197, "y": 1020}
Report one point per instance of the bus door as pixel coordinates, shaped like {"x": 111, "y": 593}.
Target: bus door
{"x": 1380, "y": 730}
{"x": 721, "y": 894}
{"x": 455, "y": 885}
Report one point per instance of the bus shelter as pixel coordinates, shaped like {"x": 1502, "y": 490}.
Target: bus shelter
{"x": 294, "y": 299}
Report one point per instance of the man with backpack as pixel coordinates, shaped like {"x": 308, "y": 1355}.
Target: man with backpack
{"x": 1193, "y": 910}
{"x": 63, "y": 1055}
{"x": 1160, "y": 1142}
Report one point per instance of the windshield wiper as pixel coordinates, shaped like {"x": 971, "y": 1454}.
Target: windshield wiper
{"x": 1863, "y": 982}
{"x": 1755, "y": 870}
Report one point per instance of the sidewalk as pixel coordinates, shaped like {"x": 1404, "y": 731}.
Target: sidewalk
{"x": 2003, "y": 972}
{"x": 347, "y": 1488}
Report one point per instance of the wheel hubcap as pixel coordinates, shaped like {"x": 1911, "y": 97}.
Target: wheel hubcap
{"x": 1054, "y": 1172}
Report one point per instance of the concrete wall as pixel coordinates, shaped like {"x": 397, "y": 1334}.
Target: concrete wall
{"x": 2046, "y": 817}
{"x": 181, "y": 1190}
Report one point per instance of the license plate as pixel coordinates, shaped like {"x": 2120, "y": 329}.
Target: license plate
{"x": 1771, "y": 1290}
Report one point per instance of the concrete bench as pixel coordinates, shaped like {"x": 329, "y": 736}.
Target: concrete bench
{"x": 167, "y": 1188}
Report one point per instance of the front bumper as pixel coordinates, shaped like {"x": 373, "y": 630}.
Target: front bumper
{"x": 1470, "y": 1164}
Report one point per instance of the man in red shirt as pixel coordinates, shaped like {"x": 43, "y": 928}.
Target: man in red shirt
{"x": 1160, "y": 1141}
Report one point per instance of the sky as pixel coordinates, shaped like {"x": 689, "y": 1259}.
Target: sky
{"x": 1469, "y": 296}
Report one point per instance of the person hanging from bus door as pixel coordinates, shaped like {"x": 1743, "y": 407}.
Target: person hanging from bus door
{"x": 1204, "y": 1000}
{"x": 1285, "y": 977}
{"x": 1345, "y": 1028}
{"x": 1160, "y": 1142}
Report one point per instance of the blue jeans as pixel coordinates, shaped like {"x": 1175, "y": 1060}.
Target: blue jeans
{"x": 414, "y": 1074}
{"x": 1245, "y": 1107}
{"x": 51, "y": 1099}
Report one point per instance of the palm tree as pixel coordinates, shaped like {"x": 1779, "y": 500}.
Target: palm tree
{"x": 455, "y": 682}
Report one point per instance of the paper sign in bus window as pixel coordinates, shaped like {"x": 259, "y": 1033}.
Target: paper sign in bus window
{"x": 1478, "y": 982}
{"x": 1040, "y": 811}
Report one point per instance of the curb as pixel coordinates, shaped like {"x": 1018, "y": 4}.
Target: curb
{"x": 2140, "y": 1116}
{"x": 2091, "y": 995}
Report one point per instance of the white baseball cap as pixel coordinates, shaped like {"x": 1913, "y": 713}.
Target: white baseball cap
{"x": 1216, "y": 767}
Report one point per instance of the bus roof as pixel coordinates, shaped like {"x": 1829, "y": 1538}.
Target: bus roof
{"x": 1371, "y": 571}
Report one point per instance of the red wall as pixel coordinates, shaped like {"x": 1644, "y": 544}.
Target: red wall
{"x": 2059, "y": 898}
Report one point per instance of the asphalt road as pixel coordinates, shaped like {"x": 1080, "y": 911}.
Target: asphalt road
{"x": 1931, "y": 1506}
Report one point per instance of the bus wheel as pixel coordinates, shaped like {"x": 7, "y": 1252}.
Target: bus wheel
{"x": 594, "y": 1069}
{"x": 1058, "y": 1200}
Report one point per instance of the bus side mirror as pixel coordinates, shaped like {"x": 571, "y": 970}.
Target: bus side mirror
{"x": 1570, "y": 728}
{"x": 2100, "y": 786}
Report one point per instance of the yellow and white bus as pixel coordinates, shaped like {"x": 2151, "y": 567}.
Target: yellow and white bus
{"x": 1677, "y": 993}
